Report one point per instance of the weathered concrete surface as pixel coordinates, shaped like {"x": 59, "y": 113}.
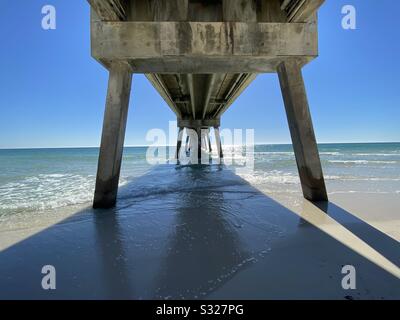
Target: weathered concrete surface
{"x": 110, "y": 10}
{"x": 112, "y": 140}
{"x": 166, "y": 41}
{"x": 302, "y": 131}
{"x": 158, "y": 10}
{"x": 180, "y": 94}
{"x": 303, "y": 11}
{"x": 216, "y": 10}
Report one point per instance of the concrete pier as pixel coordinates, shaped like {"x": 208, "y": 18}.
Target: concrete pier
{"x": 112, "y": 139}
{"x": 199, "y": 144}
{"x": 179, "y": 143}
{"x": 301, "y": 131}
{"x": 218, "y": 142}
{"x": 187, "y": 145}
{"x": 209, "y": 141}
{"x": 200, "y": 56}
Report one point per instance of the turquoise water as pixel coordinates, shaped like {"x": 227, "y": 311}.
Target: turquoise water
{"x": 42, "y": 179}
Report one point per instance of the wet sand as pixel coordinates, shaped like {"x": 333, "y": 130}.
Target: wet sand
{"x": 220, "y": 239}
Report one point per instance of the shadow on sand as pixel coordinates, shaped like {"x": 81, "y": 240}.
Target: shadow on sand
{"x": 387, "y": 246}
{"x": 196, "y": 232}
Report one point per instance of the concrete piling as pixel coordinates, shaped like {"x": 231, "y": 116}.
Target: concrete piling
{"x": 301, "y": 130}
{"x": 113, "y": 135}
{"x": 179, "y": 143}
{"x": 209, "y": 141}
{"x": 218, "y": 141}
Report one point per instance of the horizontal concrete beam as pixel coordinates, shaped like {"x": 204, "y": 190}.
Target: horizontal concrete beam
{"x": 197, "y": 65}
{"x": 193, "y": 124}
{"x": 203, "y": 47}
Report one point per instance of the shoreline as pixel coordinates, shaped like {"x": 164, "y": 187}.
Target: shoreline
{"x": 255, "y": 245}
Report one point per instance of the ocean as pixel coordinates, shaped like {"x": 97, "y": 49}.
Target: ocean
{"x": 36, "y": 180}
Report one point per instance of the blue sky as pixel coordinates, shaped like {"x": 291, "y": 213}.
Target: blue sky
{"x": 53, "y": 92}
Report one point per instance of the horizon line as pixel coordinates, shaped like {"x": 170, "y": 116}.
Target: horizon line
{"x": 144, "y": 146}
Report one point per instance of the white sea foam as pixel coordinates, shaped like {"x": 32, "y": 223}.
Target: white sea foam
{"x": 331, "y": 153}
{"x": 330, "y": 177}
{"x": 376, "y": 179}
{"x": 362, "y": 161}
{"x": 275, "y": 176}
{"x": 274, "y": 152}
{"x": 46, "y": 191}
{"x": 377, "y": 154}
{"x": 361, "y": 192}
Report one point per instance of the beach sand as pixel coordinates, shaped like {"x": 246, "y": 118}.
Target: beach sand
{"x": 222, "y": 238}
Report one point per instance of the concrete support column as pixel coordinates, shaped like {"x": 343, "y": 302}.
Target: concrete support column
{"x": 179, "y": 143}
{"x": 199, "y": 144}
{"x": 301, "y": 131}
{"x": 218, "y": 141}
{"x": 112, "y": 139}
{"x": 187, "y": 145}
{"x": 209, "y": 141}
{"x": 208, "y": 144}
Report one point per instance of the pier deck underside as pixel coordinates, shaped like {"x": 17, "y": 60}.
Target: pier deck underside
{"x": 200, "y": 55}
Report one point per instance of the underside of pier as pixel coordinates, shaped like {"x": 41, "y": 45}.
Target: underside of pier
{"x": 200, "y": 55}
